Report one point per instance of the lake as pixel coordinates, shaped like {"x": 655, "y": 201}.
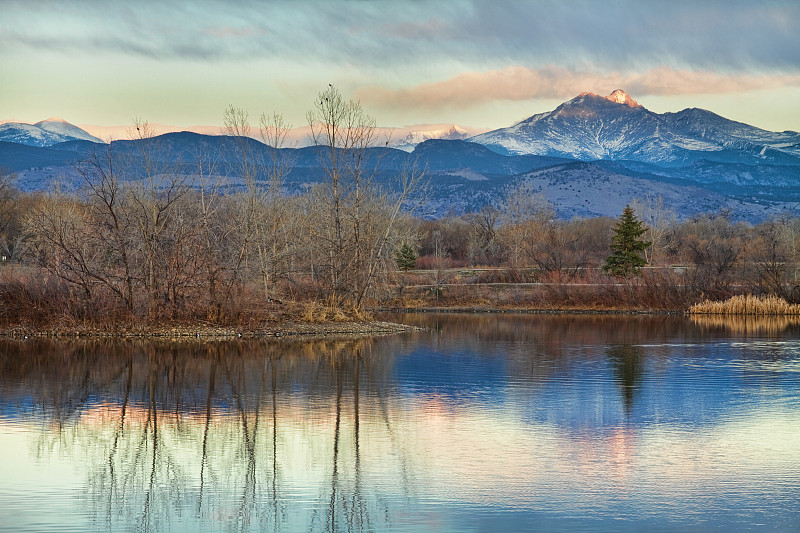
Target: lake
{"x": 483, "y": 423}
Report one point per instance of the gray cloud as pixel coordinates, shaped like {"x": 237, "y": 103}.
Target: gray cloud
{"x": 618, "y": 35}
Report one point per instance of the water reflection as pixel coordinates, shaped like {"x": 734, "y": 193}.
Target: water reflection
{"x": 628, "y": 364}
{"x": 166, "y": 428}
{"x": 749, "y": 325}
{"x": 520, "y": 422}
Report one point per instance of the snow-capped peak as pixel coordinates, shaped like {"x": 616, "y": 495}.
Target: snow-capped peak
{"x": 52, "y": 120}
{"x": 444, "y": 131}
{"x": 44, "y": 133}
{"x": 621, "y": 97}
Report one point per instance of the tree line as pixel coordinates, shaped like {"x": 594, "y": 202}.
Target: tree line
{"x": 674, "y": 262}
{"x": 144, "y": 237}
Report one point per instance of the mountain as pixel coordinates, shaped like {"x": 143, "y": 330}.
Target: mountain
{"x": 443, "y": 155}
{"x": 47, "y": 132}
{"x": 463, "y": 176}
{"x": 615, "y": 127}
{"x": 413, "y": 138}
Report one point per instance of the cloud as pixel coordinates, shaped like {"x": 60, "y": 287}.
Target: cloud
{"x": 613, "y": 35}
{"x": 519, "y": 83}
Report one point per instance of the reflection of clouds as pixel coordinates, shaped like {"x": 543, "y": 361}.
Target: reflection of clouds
{"x": 466, "y": 452}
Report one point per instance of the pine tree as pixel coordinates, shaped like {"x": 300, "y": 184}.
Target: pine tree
{"x": 406, "y": 258}
{"x": 627, "y": 246}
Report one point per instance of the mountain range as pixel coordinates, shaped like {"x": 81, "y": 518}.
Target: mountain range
{"x": 590, "y": 156}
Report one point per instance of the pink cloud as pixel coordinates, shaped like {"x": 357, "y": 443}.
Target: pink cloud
{"x": 229, "y": 32}
{"x": 519, "y": 83}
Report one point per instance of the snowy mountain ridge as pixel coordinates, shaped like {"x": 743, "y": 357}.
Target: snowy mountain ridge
{"x": 616, "y": 127}
{"x": 44, "y": 133}
{"x": 413, "y": 138}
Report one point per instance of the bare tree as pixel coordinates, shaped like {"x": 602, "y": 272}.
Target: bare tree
{"x": 278, "y": 226}
{"x": 525, "y": 215}
{"x": 484, "y": 244}
{"x": 343, "y": 131}
{"x": 212, "y": 230}
{"x": 11, "y": 234}
{"x": 659, "y": 221}
{"x": 772, "y": 258}
{"x": 60, "y": 242}
{"x": 357, "y": 217}
{"x": 715, "y": 247}
{"x": 559, "y": 249}
{"x": 105, "y": 197}
{"x": 154, "y": 197}
{"x": 247, "y": 162}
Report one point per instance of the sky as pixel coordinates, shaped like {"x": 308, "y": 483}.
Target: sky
{"x": 478, "y": 64}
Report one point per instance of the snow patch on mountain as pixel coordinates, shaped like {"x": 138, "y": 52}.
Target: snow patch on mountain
{"x": 621, "y": 97}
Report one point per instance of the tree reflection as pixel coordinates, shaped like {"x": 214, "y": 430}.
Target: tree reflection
{"x": 628, "y": 364}
{"x": 206, "y": 426}
{"x": 174, "y": 427}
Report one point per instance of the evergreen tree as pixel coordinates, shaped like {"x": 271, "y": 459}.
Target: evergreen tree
{"x": 406, "y": 258}
{"x": 627, "y": 247}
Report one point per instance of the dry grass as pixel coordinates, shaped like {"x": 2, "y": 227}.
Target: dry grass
{"x": 332, "y": 309}
{"x": 746, "y": 305}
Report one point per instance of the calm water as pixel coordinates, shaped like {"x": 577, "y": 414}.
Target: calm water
{"x": 485, "y": 423}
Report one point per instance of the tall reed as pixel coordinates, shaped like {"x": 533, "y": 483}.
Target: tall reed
{"x": 746, "y": 305}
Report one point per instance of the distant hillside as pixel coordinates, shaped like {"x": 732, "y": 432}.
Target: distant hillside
{"x": 463, "y": 176}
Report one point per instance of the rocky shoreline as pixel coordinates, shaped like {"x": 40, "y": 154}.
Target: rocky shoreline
{"x": 292, "y": 330}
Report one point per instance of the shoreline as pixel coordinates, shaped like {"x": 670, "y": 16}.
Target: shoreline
{"x": 298, "y": 330}
{"x": 288, "y": 330}
{"x": 528, "y": 310}
{"x": 293, "y": 329}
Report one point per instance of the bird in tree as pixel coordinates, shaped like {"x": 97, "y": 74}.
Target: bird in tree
{"x": 627, "y": 246}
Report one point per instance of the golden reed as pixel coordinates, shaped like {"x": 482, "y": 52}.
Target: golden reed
{"x": 746, "y": 305}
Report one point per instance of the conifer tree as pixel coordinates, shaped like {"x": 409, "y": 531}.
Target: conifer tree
{"x": 406, "y": 258}
{"x": 627, "y": 246}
